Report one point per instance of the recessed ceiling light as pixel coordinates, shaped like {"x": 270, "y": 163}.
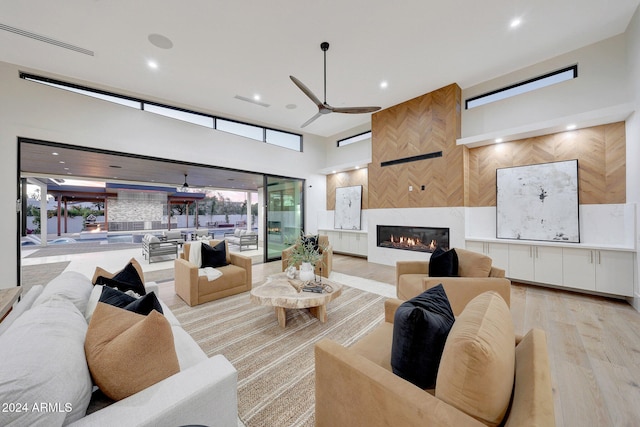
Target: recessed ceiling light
{"x": 499, "y": 140}
{"x": 61, "y": 162}
{"x": 515, "y": 22}
{"x": 54, "y": 154}
{"x": 571, "y": 127}
{"x": 256, "y": 97}
{"x": 333, "y": 171}
{"x": 66, "y": 169}
{"x": 357, "y": 167}
{"x": 152, "y": 64}
{"x": 158, "y": 40}
{"x": 384, "y": 84}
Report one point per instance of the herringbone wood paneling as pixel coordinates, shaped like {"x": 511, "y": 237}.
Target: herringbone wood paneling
{"x": 600, "y": 150}
{"x": 422, "y": 125}
{"x": 347, "y": 179}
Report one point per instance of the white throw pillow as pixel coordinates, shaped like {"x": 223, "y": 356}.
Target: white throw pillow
{"x": 44, "y": 367}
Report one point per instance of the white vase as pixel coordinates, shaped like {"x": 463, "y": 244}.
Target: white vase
{"x": 306, "y": 272}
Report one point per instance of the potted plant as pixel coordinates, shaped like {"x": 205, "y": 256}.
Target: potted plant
{"x": 307, "y": 253}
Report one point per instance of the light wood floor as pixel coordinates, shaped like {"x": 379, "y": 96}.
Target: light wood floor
{"x": 594, "y": 345}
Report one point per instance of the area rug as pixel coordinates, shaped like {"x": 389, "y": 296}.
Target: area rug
{"x": 276, "y": 384}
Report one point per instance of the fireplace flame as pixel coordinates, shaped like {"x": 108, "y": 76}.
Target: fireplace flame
{"x": 410, "y": 242}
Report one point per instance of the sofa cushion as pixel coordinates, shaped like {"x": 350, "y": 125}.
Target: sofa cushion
{"x": 25, "y": 303}
{"x": 421, "y": 326}
{"x": 375, "y": 345}
{"x": 104, "y": 273}
{"x": 477, "y": 369}
{"x": 214, "y": 256}
{"x": 232, "y": 276}
{"x": 473, "y": 264}
{"x": 127, "y": 352}
{"x": 443, "y": 263}
{"x": 43, "y": 361}
{"x": 70, "y": 285}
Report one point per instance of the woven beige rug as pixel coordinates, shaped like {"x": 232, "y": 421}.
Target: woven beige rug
{"x": 275, "y": 365}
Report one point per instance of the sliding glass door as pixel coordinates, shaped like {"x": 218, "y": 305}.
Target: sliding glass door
{"x": 283, "y": 214}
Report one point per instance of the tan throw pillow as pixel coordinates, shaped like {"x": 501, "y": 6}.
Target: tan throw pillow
{"x": 473, "y": 264}
{"x": 477, "y": 368}
{"x": 127, "y": 352}
{"x": 104, "y": 273}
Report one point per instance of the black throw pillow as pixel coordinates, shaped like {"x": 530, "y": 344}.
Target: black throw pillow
{"x": 420, "y": 329}
{"x": 443, "y": 263}
{"x": 143, "y": 305}
{"x": 214, "y": 256}
{"x": 125, "y": 280}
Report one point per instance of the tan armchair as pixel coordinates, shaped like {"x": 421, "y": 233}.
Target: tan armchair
{"x": 412, "y": 277}
{"x": 195, "y": 289}
{"x": 356, "y": 385}
{"x": 324, "y": 267}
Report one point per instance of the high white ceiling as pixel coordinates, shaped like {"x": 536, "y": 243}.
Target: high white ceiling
{"x": 226, "y": 48}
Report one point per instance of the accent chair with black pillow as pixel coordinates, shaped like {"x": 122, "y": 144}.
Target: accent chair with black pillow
{"x": 421, "y": 327}
{"x": 413, "y": 278}
{"x": 487, "y": 375}
{"x": 192, "y": 283}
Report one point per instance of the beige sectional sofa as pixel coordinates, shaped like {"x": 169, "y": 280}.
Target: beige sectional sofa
{"x": 487, "y": 375}
{"x": 195, "y": 288}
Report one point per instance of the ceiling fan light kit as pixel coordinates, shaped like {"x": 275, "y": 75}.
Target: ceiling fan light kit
{"x": 323, "y": 106}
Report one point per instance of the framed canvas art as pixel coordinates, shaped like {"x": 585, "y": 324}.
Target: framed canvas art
{"x": 348, "y": 206}
{"x": 538, "y": 202}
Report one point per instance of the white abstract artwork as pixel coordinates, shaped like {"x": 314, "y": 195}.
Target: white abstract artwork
{"x": 348, "y": 205}
{"x": 538, "y": 202}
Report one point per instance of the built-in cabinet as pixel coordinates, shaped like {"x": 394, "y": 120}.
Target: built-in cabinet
{"x": 598, "y": 270}
{"x": 536, "y": 263}
{"x": 498, "y": 252}
{"x": 609, "y": 271}
{"x": 347, "y": 242}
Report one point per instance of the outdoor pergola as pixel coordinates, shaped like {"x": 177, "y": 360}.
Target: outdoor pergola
{"x": 66, "y": 196}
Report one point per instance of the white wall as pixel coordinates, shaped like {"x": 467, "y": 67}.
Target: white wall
{"x": 355, "y": 154}
{"x": 602, "y": 82}
{"x": 37, "y": 111}
{"x": 633, "y": 132}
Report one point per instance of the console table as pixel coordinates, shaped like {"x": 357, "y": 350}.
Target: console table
{"x": 7, "y": 298}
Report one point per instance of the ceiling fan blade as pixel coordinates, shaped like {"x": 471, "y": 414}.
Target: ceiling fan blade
{"x": 355, "y": 110}
{"x": 306, "y": 91}
{"x": 308, "y": 122}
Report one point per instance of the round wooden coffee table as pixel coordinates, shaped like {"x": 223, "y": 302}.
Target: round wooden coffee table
{"x": 282, "y": 293}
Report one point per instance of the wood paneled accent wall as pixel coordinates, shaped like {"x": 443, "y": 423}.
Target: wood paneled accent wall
{"x": 347, "y": 179}
{"x": 426, "y": 124}
{"x": 600, "y": 150}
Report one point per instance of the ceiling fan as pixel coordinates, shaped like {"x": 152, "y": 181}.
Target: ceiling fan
{"x": 323, "y": 107}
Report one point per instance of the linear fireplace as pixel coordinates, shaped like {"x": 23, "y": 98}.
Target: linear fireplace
{"x": 420, "y": 239}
